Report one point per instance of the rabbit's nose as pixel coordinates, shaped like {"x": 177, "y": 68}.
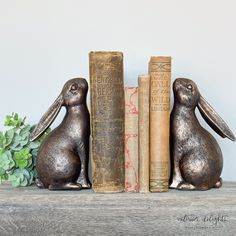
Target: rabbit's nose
{"x": 177, "y": 81}
{"x": 177, "y": 84}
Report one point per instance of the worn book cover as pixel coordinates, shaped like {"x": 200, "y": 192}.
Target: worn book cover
{"x": 107, "y": 120}
{"x": 131, "y": 139}
{"x": 160, "y": 79}
{"x": 143, "y": 131}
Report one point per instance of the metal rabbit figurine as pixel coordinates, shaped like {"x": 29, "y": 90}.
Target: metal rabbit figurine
{"x": 62, "y": 161}
{"x": 195, "y": 155}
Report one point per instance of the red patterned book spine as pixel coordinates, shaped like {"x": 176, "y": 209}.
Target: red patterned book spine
{"x": 131, "y": 139}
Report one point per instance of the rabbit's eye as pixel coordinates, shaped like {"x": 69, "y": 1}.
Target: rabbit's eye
{"x": 190, "y": 87}
{"x": 73, "y": 87}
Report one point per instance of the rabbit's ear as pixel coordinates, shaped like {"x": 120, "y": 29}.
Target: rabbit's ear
{"x": 47, "y": 118}
{"x": 214, "y": 120}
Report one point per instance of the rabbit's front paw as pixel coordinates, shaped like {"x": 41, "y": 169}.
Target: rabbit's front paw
{"x": 39, "y": 183}
{"x": 85, "y": 183}
{"x": 174, "y": 184}
{"x": 177, "y": 180}
{"x": 186, "y": 186}
{"x": 218, "y": 183}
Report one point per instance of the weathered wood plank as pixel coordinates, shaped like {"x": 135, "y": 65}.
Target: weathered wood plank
{"x": 31, "y": 211}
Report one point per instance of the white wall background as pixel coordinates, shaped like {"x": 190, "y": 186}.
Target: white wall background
{"x": 46, "y": 42}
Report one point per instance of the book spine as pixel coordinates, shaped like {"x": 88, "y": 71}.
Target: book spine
{"x": 131, "y": 139}
{"x": 160, "y": 79}
{"x": 107, "y": 120}
{"x": 143, "y": 131}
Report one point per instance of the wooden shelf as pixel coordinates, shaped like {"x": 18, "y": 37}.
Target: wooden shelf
{"x": 32, "y": 211}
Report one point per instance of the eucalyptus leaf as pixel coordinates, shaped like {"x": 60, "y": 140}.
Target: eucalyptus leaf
{"x": 24, "y": 142}
{"x": 24, "y": 182}
{"x": 34, "y": 152}
{"x": 10, "y": 172}
{"x": 21, "y": 163}
{"x": 34, "y": 145}
{"x": 9, "y": 135}
{"x": 2, "y": 178}
{"x": 29, "y": 163}
{"x": 2, "y": 140}
{"x": 12, "y": 178}
{"x": 16, "y": 141}
{"x": 6, "y": 153}
{"x": 6, "y": 161}
{"x": 16, "y": 183}
{"x": 11, "y": 164}
{"x": 17, "y": 154}
{"x": 23, "y": 176}
{"x": 8, "y": 120}
{"x": 30, "y": 180}
{"x": 25, "y": 130}
{"x": 2, "y": 171}
{"x": 13, "y": 120}
{"x": 34, "y": 172}
{"x": 19, "y": 174}
{"x": 34, "y": 160}
{"x": 23, "y": 154}
{"x": 17, "y": 148}
{"x": 26, "y": 173}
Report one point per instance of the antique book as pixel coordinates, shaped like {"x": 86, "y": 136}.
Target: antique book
{"x": 107, "y": 120}
{"x": 143, "y": 131}
{"x": 131, "y": 139}
{"x": 160, "y": 79}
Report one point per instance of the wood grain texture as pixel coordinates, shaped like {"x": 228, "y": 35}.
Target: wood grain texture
{"x": 32, "y": 211}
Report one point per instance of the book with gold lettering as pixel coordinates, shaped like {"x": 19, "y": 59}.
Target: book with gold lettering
{"x": 143, "y": 131}
{"x": 131, "y": 139}
{"x": 160, "y": 79}
{"x": 107, "y": 120}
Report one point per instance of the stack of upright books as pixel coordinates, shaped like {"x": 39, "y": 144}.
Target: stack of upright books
{"x": 130, "y": 125}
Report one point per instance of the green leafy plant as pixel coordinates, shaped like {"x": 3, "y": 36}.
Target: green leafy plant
{"x": 17, "y": 153}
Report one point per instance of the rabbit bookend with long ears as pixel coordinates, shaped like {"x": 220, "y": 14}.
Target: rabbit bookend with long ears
{"x": 196, "y": 158}
{"x": 62, "y": 161}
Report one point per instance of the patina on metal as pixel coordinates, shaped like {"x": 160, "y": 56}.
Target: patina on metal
{"x": 196, "y": 158}
{"x": 62, "y": 161}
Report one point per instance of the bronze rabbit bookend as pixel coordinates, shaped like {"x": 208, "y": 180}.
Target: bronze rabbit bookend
{"x": 196, "y": 158}
{"x": 62, "y": 161}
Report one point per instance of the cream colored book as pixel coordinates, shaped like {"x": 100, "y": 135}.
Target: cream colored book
{"x": 143, "y": 131}
{"x": 131, "y": 139}
{"x": 160, "y": 80}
